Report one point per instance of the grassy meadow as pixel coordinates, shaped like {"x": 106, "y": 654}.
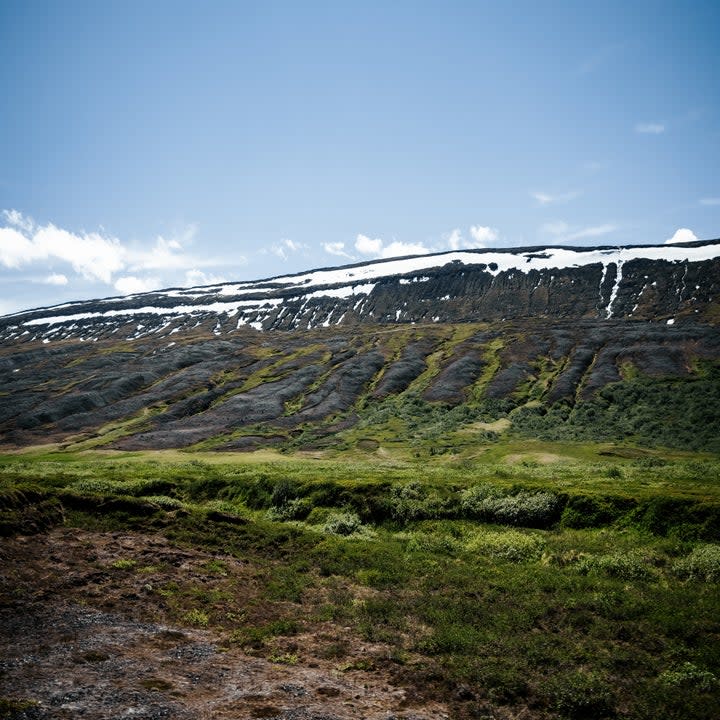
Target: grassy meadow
{"x": 564, "y": 579}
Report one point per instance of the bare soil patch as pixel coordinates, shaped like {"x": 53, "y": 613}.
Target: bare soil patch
{"x": 85, "y": 633}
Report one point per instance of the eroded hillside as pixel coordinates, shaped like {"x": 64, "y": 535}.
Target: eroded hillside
{"x": 299, "y": 389}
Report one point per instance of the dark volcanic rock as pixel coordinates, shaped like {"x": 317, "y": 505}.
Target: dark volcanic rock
{"x": 246, "y": 364}
{"x": 658, "y": 283}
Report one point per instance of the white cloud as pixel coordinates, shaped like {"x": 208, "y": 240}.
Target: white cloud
{"x": 562, "y": 232}
{"x": 398, "y": 249}
{"x": 16, "y": 249}
{"x": 17, "y": 219}
{"x": 710, "y": 201}
{"x": 650, "y": 128}
{"x": 368, "y": 246}
{"x": 455, "y": 239}
{"x": 100, "y": 258}
{"x": 196, "y": 278}
{"x": 292, "y": 245}
{"x": 56, "y": 279}
{"x": 682, "y": 235}
{"x": 480, "y": 237}
{"x": 90, "y": 254}
{"x": 483, "y": 235}
{"x": 284, "y": 247}
{"x": 543, "y": 198}
{"x": 164, "y": 255}
{"x": 337, "y": 248}
{"x": 129, "y": 284}
{"x": 376, "y": 247}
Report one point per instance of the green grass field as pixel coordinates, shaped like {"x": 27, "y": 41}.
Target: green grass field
{"x": 575, "y": 580}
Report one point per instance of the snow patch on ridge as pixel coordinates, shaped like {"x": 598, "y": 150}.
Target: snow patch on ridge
{"x": 294, "y": 298}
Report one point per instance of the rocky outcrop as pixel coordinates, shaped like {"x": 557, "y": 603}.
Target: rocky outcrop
{"x": 253, "y": 389}
{"x": 667, "y": 283}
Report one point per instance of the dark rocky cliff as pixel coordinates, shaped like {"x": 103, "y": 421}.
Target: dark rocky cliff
{"x": 653, "y": 283}
{"x": 288, "y": 361}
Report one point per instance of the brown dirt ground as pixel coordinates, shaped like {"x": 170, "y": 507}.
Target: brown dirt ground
{"x": 92, "y": 626}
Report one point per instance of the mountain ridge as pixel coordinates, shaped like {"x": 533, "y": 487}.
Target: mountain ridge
{"x": 646, "y": 282}
{"x": 416, "y": 350}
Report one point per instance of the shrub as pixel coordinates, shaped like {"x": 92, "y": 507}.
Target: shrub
{"x": 582, "y": 696}
{"x": 626, "y": 566}
{"x": 283, "y": 493}
{"x": 412, "y": 502}
{"x": 297, "y": 509}
{"x": 165, "y": 502}
{"x": 345, "y": 523}
{"x": 472, "y": 499}
{"x": 429, "y": 543}
{"x": 197, "y": 617}
{"x": 582, "y": 511}
{"x": 135, "y": 488}
{"x": 690, "y": 676}
{"x": 124, "y": 564}
{"x": 528, "y": 509}
{"x": 703, "y": 563}
{"x": 511, "y": 545}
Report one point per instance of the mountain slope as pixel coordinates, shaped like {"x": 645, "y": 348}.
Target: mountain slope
{"x": 343, "y": 384}
{"x": 603, "y": 343}
{"x": 665, "y": 282}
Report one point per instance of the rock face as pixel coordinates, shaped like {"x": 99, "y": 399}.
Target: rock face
{"x": 665, "y": 283}
{"x": 240, "y": 365}
{"x": 252, "y": 388}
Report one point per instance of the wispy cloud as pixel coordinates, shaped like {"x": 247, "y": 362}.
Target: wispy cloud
{"x": 18, "y": 220}
{"x": 562, "y": 232}
{"x": 650, "y": 128}
{"x": 197, "y": 277}
{"x": 479, "y": 236}
{"x": 483, "y": 235}
{"x": 544, "y": 198}
{"x": 55, "y": 279}
{"x": 337, "y": 248}
{"x": 682, "y": 235}
{"x": 376, "y": 247}
{"x": 455, "y": 239}
{"x": 367, "y": 245}
{"x": 130, "y": 284}
{"x": 286, "y": 247}
{"x": 557, "y": 227}
{"x": 91, "y": 255}
{"x": 98, "y": 257}
{"x": 710, "y": 201}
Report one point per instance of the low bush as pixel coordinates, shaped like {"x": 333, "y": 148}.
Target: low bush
{"x": 703, "y": 563}
{"x": 297, "y": 509}
{"x": 412, "y": 501}
{"x": 525, "y": 509}
{"x": 668, "y": 515}
{"x": 689, "y": 676}
{"x": 583, "y": 511}
{"x": 511, "y": 545}
{"x": 582, "y": 696}
{"x": 345, "y": 523}
{"x": 622, "y": 565}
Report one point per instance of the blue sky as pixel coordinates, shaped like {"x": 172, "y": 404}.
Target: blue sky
{"x": 155, "y": 144}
